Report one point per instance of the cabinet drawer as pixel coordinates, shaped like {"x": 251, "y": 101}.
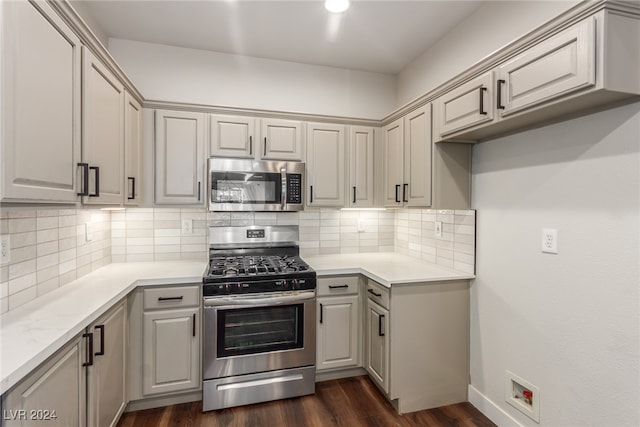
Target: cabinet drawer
{"x": 179, "y": 296}
{"x": 378, "y": 293}
{"x": 338, "y": 286}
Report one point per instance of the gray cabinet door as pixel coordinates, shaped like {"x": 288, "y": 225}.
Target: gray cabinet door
{"x": 41, "y": 84}
{"x": 325, "y": 164}
{"x": 179, "y": 158}
{"x": 360, "y": 191}
{"x": 337, "y": 338}
{"x": 416, "y": 187}
{"x": 171, "y": 351}
{"x": 107, "y": 384}
{"x": 281, "y": 140}
{"x": 393, "y": 163}
{"x": 56, "y": 389}
{"x": 133, "y": 146}
{"x": 378, "y": 350}
{"x": 232, "y": 136}
{"x": 102, "y": 131}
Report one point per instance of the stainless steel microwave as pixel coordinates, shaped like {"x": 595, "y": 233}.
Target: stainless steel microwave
{"x": 255, "y": 185}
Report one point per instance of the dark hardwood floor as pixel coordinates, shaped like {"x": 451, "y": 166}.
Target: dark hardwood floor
{"x": 348, "y": 402}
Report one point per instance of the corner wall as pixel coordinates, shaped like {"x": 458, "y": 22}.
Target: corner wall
{"x": 568, "y": 323}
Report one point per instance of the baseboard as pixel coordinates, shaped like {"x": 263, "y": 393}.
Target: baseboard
{"x": 490, "y": 409}
{"x": 340, "y": 373}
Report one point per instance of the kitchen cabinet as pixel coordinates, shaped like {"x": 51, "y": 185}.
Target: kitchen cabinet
{"x": 166, "y": 320}
{"x": 106, "y": 377}
{"x": 133, "y": 146}
{"x": 408, "y": 166}
{"x": 361, "y": 165}
{"x": 54, "y": 394}
{"x": 326, "y": 151}
{"x": 586, "y": 64}
{"x": 417, "y": 342}
{"x": 179, "y": 158}
{"x": 82, "y": 384}
{"x": 377, "y": 335}
{"x": 338, "y": 333}
{"x": 248, "y": 137}
{"x": 102, "y": 132}
{"x": 41, "y": 96}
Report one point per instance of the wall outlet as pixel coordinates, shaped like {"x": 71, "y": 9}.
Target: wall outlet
{"x": 438, "y": 229}
{"x": 187, "y": 226}
{"x": 360, "y": 225}
{"x": 5, "y": 249}
{"x": 88, "y": 231}
{"x": 550, "y": 240}
{"x": 522, "y": 395}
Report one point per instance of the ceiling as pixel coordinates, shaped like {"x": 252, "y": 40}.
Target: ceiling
{"x": 376, "y": 36}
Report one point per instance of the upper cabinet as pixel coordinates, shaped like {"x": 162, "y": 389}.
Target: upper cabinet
{"x": 179, "y": 157}
{"x": 248, "y": 137}
{"x": 360, "y": 189}
{"x": 408, "y": 160}
{"x": 41, "y": 93}
{"x": 132, "y": 144}
{"x": 102, "y": 133}
{"x": 326, "y": 151}
{"x": 590, "y": 63}
{"x": 418, "y": 173}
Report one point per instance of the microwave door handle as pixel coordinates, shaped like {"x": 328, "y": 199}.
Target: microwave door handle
{"x": 283, "y": 195}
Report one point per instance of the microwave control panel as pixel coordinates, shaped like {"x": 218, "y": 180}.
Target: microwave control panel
{"x": 294, "y": 188}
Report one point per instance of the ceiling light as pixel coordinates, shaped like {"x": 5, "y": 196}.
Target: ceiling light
{"x": 336, "y": 6}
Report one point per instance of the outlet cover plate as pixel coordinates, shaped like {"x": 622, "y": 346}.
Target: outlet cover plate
{"x": 438, "y": 229}
{"x": 549, "y": 244}
{"x": 5, "y": 249}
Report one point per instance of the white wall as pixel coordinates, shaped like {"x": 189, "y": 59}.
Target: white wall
{"x": 196, "y": 76}
{"x": 492, "y": 26}
{"x": 568, "y": 323}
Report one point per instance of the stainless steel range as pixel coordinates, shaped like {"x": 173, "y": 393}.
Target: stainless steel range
{"x": 259, "y": 317}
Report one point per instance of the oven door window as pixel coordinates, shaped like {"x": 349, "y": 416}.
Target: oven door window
{"x": 246, "y": 188}
{"x": 256, "y": 330}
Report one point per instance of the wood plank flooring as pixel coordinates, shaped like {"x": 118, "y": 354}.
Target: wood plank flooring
{"x": 348, "y": 402}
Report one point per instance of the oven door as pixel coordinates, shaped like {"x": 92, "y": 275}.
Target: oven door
{"x": 246, "y": 334}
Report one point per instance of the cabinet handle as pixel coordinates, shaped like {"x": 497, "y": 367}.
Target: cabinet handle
{"x": 133, "y": 188}
{"x": 338, "y": 286}
{"x": 320, "y": 313}
{"x": 97, "y": 193}
{"x": 194, "y": 325}
{"x": 265, "y": 145}
{"x": 171, "y": 298}
{"x": 85, "y": 179}
{"x": 101, "y": 352}
{"x": 404, "y": 192}
{"x": 397, "y": 191}
{"x": 354, "y": 194}
{"x": 380, "y": 325}
{"x": 371, "y": 291}
{"x": 482, "y": 91}
{"x": 500, "y": 83}
{"x": 89, "y": 337}
{"x": 311, "y": 194}
{"x": 199, "y": 185}
{"x": 250, "y": 145}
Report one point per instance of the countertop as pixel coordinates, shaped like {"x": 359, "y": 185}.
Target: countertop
{"x": 33, "y": 332}
{"x": 386, "y": 268}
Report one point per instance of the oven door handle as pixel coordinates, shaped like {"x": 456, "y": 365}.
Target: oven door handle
{"x": 230, "y": 302}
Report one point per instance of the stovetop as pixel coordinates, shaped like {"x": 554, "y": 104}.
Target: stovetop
{"x": 246, "y": 266}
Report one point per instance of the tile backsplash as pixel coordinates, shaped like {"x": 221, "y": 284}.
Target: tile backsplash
{"x": 325, "y": 231}
{"x": 415, "y": 236}
{"x": 48, "y": 249}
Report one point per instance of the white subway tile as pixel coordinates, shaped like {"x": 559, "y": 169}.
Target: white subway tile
{"x": 21, "y": 283}
{"x": 21, "y": 213}
{"x": 47, "y": 261}
{"x": 66, "y": 266}
{"x": 47, "y": 286}
{"x": 22, "y": 225}
{"x": 46, "y": 235}
{"x": 23, "y": 254}
{"x": 21, "y": 298}
{"x": 22, "y": 268}
{"x": 47, "y": 222}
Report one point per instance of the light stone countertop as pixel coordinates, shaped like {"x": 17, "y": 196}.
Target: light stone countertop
{"x": 33, "y": 332}
{"x": 30, "y": 334}
{"x": 386, "y": 268}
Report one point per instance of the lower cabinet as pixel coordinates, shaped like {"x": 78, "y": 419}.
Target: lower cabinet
{"x": 165, "y": 341}
{"x": 82, "y": 384}
{"x": 338, "y": 319}
{"x": 377, "y": 351}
